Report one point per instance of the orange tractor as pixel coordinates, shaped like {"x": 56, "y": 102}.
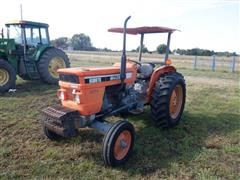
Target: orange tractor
{"x": 91, "y": 94}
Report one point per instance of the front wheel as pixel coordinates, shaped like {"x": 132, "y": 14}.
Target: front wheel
{"x": 118, "y": 143}
{"x": 51, "y": 135}
{"x": 7, "y": 76}
{"x": 168, "y": 100}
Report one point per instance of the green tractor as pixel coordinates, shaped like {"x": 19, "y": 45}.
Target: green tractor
{"x": 27, "y": 52}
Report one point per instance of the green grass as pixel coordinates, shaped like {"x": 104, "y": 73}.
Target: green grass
{"x": 205, "y": 145}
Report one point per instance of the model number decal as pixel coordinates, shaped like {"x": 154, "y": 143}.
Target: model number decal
{"x": 103, "y": 78}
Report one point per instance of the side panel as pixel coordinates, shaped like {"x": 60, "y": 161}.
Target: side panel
{"x": 6, "y": 47}
{"x": 156, "y": 74}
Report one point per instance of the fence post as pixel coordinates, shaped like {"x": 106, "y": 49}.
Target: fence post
{"x": 195, "y": 63}
{"x": 213, "y": 62}
{"x": 233, "y": 64}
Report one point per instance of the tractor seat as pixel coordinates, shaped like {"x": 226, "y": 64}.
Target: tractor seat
{"x": 145, "y": 70}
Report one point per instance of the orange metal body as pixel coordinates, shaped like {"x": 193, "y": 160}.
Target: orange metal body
{"x": 156, "y": 74}
{"x": 91, "y": 94}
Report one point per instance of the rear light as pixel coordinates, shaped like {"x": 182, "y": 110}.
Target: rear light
{"x": 168, "y": 62}
{"x": 62, "y": 94}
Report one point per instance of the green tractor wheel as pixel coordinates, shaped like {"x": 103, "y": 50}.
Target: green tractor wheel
{"x": 7, "y": 76}
{"x": 52, "y": 60}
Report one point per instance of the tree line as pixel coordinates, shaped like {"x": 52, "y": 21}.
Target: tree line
{"x": 77, "y": 42}
{"x": 202, "y": 52}
{"x": 83, "y": 42}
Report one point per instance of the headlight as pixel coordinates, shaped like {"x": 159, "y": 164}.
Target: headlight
{"x": 77, "y": 98}
{"x": 61, "y": 95}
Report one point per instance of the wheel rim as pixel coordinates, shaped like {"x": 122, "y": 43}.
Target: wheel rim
{"x": 55, "y": 64}
{"x": 122, "y": 145}
{"x": 176, "y": 101}
{"x": 4, "y": 77}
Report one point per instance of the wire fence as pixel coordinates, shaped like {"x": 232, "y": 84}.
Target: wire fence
{"x": 217, "y": 63}
{"x": 212, "y": 63}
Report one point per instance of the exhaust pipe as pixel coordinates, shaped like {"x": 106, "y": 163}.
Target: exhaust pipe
{"x": 123, "y": 58}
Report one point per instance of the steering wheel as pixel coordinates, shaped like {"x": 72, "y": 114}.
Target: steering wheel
{"x": 135, "y": 62}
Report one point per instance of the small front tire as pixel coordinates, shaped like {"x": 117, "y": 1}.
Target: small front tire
{"x": 51, "y": 135}
{"x": 118, "y": 143}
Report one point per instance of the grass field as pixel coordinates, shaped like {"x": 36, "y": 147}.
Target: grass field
{"x": 205, "y": 145}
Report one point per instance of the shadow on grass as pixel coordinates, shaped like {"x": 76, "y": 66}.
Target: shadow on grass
{"x": 24, "y": 88}
{"x": 156, "y": 149}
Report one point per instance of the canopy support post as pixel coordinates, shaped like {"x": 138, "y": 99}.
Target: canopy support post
{"x": 140, "y": 47}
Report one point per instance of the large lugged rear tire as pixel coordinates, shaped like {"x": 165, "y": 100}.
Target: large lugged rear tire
{"x": 51, "y": 60}
{"x": 168, "y": 100}
{"x": 118, "y": 143}
{"x": 7, "y": 76}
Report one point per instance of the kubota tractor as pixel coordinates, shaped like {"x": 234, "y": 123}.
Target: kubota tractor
{"x": 90, "y": 94}
{"x": 27, "y": 52}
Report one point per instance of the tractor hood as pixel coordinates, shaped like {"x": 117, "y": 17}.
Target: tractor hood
{"x": 3, "y": 47}
{"x": 94, "y": 71}
{"x": 89, "y": 77}
{"x": 6, "y": 44}
{"x": 3, "y": 42}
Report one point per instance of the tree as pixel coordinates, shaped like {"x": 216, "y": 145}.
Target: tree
{"x": 162, "y": 48}
{"x": 144, "y": 49}
{"x": 62, "y": 42}
{"x": 195, "y": 52}
{"x": 81, "y": 42}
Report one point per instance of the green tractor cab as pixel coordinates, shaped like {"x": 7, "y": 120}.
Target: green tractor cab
{"x": 27, "y": 52}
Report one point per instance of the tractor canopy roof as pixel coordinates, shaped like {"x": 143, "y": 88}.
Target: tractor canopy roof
{"x": 24, "y": 23}
{"x": 143, "y": 30}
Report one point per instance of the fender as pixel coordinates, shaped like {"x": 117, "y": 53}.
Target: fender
{"x": 41, "y": 50}
{"x": 155, "y": 76}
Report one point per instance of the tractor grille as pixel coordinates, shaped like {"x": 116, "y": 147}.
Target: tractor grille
{"x": 69, "y": 78}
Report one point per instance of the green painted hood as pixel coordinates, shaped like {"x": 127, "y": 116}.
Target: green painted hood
{"x": 5, "y": 46}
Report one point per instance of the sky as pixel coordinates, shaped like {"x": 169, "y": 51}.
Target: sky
{"x": 206, "y": 24}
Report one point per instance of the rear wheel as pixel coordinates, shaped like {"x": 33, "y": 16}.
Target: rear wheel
{"x": 7, "y": 76}
{"x": 52, "y": 60}
{"x": 118, "y": 143}
{"x": 168, "y": 100}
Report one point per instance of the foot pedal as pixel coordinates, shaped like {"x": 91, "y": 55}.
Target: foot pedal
{"x": 136, "y": 111}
